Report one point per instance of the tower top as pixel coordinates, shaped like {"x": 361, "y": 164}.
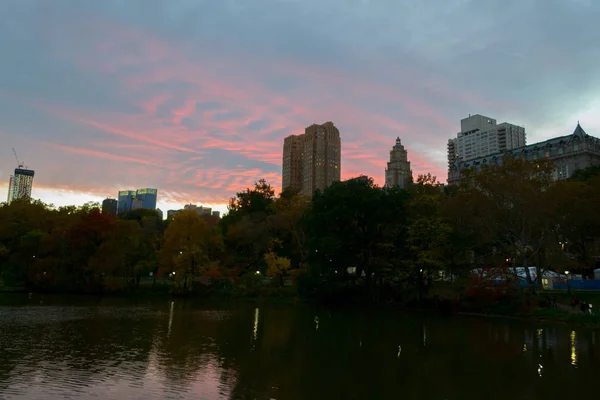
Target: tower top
{"x": 398, "y": 140}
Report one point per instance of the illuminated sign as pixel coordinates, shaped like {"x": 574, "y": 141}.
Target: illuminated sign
{"x": 146, "y": 191}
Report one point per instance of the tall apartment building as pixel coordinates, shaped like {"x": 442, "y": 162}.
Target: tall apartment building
{"x": 481, "y": 136}
{"x": 398, "y": 172}
{"x": 312, "y": 160}
{"x": 20, "y": 184}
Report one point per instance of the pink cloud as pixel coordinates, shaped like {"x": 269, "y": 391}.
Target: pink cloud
{"x": 98, "y": 154}
{"x": 155, "y": 136}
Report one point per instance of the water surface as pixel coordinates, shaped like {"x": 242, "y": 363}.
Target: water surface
{"x": 85, "y": 348}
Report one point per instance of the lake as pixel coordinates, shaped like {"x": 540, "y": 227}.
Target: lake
{"x": 87, "y": 347}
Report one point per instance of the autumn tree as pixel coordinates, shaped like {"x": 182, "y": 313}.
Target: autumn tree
{"x": 115, "y": 263}
{"x": 511, "y": 208}
{"x": 185, "y": 251}
{"x": 277, "y": 266}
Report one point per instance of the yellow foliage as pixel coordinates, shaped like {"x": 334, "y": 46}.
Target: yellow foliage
{"x": 276, "y": 265}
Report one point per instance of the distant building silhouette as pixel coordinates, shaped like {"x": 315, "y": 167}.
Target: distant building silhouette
{"x": 200, "y": 210}
{"x": 171, "y": 214}
{"x": 109, "y": 206}
{"x": 398, "y": 172}
{"x": 312, "y": 160}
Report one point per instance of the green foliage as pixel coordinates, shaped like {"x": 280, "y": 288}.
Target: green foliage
{"x": 354, "y": 242}
{"x": 585, "y": 174}
{"x": 355, "y": 232}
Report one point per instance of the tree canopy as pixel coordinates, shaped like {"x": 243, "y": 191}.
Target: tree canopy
{"x": 353, "y": 236}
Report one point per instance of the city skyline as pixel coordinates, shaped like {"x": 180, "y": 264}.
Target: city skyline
{"x": 196, "y": 99}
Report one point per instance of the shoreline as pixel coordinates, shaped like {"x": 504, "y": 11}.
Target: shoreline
{"x": 562, "y": 318}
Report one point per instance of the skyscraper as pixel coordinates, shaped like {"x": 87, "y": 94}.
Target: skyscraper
{"x": 312, "y": 160}
{"x": 125, "y": 201}
{"x": 20, "y": 184}
{"x": 145, "y": 198}
{"x": 398, "y": 172}
{"x": 134, "y": 199}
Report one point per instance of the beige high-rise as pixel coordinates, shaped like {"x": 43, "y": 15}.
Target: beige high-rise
{"x": 313, "y": 160}
{"x": 398, "y": 172}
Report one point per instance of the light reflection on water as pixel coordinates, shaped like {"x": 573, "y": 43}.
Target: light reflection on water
{"x": 177, "y": 349}
{"x": 573, "y": 338}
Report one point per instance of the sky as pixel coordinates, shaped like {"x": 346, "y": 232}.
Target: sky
{"x": 194, "y": 97}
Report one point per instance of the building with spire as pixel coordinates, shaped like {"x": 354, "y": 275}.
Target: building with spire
{"x": 398, "y": 172}
{"x": 568, "y": 153}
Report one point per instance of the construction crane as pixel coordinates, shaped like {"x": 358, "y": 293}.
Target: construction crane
{"x": 19, "y": 163}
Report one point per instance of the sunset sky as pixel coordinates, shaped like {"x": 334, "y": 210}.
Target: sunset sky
{"x": 195, "y": 97}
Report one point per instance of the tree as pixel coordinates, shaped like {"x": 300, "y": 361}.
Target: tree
{"x": 428, "y": 232}
{"x": 286, "y": 225}
{"x": 245, "y": 231}
{"x": 116, "y": 257}
{"x": 578, "y": 219}
{"x": 510, "y": 208}
{"x": 184, "y": 253}
{"x": 252, "y": 201}
{"x": 354, "y": 226}
{"x": 277, "y": 266}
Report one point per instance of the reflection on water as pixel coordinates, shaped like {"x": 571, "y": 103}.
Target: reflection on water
{"x": 573, "y": 348}
{"x": 256, "y": 316}
{"x": 166, "y": 350}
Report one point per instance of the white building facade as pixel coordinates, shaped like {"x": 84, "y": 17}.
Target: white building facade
{"x": 481, "y": 136}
